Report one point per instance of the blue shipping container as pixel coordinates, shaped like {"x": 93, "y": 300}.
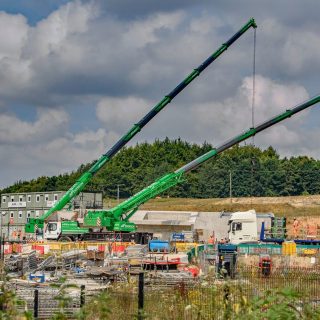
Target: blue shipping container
{"x": 159, "y": 246}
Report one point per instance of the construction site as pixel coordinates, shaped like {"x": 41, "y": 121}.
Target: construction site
{"x": 70, "y": 255}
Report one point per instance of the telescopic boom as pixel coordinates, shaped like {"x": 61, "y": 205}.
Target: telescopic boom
{"x": 126, "y": 209}
{"x": 87, "y": 176}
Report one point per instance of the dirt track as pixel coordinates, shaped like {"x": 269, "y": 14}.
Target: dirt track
{"x": 284, "y": 206}
{"x": 305, "y": 208}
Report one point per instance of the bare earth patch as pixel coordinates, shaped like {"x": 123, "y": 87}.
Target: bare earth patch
{"x": 305, "y": 208}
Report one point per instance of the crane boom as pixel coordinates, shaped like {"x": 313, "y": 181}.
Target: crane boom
{"x": 87, "y": 176}
{"x": 122, "y": 212}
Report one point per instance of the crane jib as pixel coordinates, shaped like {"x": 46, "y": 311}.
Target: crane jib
{"x": 85, "y": 178}
{"x": 167, "y": 99}
{"x": 247, "y": 134}
{"x": 127, "y": 208}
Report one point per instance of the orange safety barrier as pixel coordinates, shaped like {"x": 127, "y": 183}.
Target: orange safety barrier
{"x": 118, "y": 248}
{"x": 7, "y": 248}
{"x": 101, "y": 248}
{"x": 39, "y": 249}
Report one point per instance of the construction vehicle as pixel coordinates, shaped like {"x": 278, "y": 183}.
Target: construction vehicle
{"x": 37, "y": 225}
{"x": 280, "y": 239}
{"x": 117, "y": 218}
{"x": 243, "y": 228}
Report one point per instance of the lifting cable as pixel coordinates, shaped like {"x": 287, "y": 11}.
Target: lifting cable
{"x": 253, "y": 105}
{"x": 253, "y": 80}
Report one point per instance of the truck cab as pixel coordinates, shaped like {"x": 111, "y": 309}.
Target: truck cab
{"x": 243, "y": 227}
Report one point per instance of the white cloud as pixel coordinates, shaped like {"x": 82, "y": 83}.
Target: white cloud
{"x": 81, "y": 50}
{"x": 46, "y": 147}
{"x": 52, "y": 34}
{"x": 14, "y": 70}
{"x": 13, "y": 35}
{"x": 231, "y": 116}
{"x": 290, "y": 50}
{"x": 73, "y": 149}
{"x": 119, "y": 114}
{"x": 141, "y": 33}
{"x": 15, "y": 131}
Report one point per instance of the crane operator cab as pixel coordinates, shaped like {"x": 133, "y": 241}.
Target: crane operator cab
{"x": 52, "y": 230}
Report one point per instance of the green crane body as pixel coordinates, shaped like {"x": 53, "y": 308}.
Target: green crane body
{"x": 38, "y": 223}
{"x": 117, "y": 218}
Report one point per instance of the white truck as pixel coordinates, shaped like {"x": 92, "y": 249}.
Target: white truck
{"x": 244, "y": 226}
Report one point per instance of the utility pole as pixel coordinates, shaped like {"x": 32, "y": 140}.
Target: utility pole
{"x": 230, "y": 186}
{"x": 118, "y": 193}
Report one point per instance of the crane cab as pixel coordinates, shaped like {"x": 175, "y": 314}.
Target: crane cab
{"x": 52, "y": 230}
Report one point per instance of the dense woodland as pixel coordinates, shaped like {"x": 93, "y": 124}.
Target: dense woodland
{"x": 253, "y": 172}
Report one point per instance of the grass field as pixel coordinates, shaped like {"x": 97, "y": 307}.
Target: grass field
{"x": 300, "y": 206}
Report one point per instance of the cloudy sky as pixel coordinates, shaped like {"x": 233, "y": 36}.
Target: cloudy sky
{"x": 75, "y": 76}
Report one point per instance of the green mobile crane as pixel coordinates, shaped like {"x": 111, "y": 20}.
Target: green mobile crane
{"x": 117, "y": 218}
{"x": 36, "y": 225}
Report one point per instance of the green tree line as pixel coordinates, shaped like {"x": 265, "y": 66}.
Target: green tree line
{"x": 251, "y": 170}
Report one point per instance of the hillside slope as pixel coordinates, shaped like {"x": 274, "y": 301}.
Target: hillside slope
{"x": 305, "y": 208}
{"x": 300, "y": 206}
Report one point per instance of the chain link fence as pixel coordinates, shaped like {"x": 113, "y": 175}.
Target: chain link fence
{"x": 210, "y": 298}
